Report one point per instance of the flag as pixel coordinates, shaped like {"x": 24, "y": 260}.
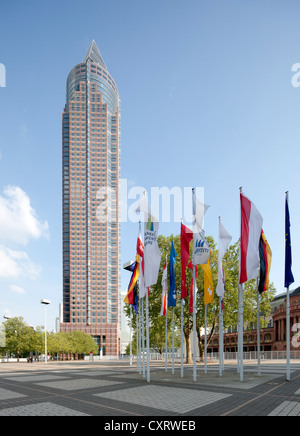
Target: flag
{"x": 140, "y": 252}
{"x": 172, "y": 288}
{"x": 224, "y": 241}
{"x": 201, "y": 249}
{"x": 208, "y": 284}
{"x": 132, "y": 293}
{"x": 186, "y": 235}
{"x": 164, "y": 283}
{"x": 265, "y": 255}
{"x": 190, "y": 265}
{"x": 152, "y": 255}
{"x": 251, "y": 225}
{"x": 199, "y": 210}
{"x": 288, "y": 275}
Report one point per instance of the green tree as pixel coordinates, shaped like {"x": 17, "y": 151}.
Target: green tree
{"x": 230, "y": 314}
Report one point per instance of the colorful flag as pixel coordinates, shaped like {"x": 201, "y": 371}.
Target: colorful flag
{"x": 199, "y": 210}
{"x": 288, "y": 275}
{"x": 251, "y": 225}
{"x": 223, "y": 244}
{"x": 172, "y": 287}
{"x": 190, "y": 265}
{"x": 265, "y": 255}
{"x": 140, "y": 252}
{"x": 132, "y": 293}
{"x": 186, "y": 236}
{"x": 208, "y": 284}
{"x": 152, "y": 255}
{"x": 164, "y": 283}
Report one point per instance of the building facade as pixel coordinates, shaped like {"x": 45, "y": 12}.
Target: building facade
{"x": 273, "y": 337}
{"x": 91, "y": 230}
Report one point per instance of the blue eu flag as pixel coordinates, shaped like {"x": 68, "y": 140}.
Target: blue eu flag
{"x": 172, "y": 288}
{"x": 288, "y": 275}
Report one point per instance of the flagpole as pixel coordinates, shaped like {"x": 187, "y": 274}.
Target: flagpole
{"x": 166, "y": 338}
{"x": 182, "y": 374}
{"x": 140, "y": 337}
{"x": 288, "y": 327}
{"x": 130, "y": 335}
{"x": 137, "y": 341}
{"x": 205, "y": 342}
{"x": 221, "y": 346}
{"x": 173, "y": 342}
{"x": 143, "y": 337}
{"x": 258, "y": 330}
{"x": 194, "y": 306}
{"x": 241, "y": 325}
{"x": 147, "y": 335}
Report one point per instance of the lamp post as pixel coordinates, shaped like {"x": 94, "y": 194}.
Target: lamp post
{"x": 45, "y": 302}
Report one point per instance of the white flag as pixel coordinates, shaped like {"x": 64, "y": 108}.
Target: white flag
{"x": 224, "y": 241}
{"x": 199, "y": 210}
{"x": 201, "y": 249}
{"x": 152, "y": 255}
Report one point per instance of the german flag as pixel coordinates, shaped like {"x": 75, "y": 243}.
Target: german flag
{"x": 132, "y": 293}
{"x": 265, "y": 255}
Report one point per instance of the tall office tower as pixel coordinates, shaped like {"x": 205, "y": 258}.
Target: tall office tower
{"x": 91, "y": 165}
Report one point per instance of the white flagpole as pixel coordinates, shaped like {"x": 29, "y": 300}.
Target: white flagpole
{"x": 241, "y": 326}
{"x": 182, "y": 374}
{"x": 221, "y": 339}
{"x": 137, "y": 342}
{"x": 147, "y": 336}
{"x": 205, "y": 342}
{"x": 258, "y": 330}
{"x": 288, "y": 326}
{"x": 166, "y": 338}
{"x": 194, "y": 326}
{"x": 140, "y": 337}
{"x": 194, "y": 306}
{"x": 130, "y": 335}
{"x": 143, "y": 337}
{"x": 173, "y": 343}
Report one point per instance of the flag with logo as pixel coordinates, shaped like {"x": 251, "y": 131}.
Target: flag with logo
{"x": 201, "y": 249}
{"x": 172, "y": 287}
{"x": 152, "y": 255}
{"x": 251, "y": 225}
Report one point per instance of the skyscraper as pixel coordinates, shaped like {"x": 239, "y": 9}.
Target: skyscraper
{"x": 91, "y": 166}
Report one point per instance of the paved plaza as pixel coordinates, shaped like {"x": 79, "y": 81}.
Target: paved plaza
{"x": 115, "y": 389}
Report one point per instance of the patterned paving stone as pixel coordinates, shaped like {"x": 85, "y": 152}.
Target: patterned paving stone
{"x": 40, "y": 409}
{"x": 5, "y": 394}
{"x": 74, "y": 385}
{"x": 35, "y": 378}
{"x": 168, "y": 399}
{"x": 287, "y": 408}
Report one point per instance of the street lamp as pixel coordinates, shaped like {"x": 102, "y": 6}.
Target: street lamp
{"x": 45, "y": 302}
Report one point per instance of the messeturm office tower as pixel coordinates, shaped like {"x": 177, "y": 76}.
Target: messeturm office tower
{"x": 91, "y": 167}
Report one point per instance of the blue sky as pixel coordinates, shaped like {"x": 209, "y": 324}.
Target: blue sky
{"x": 207, "y": 101}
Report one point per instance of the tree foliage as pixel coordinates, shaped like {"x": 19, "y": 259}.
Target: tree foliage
{"x": 230, "y": 314}
{"x": 21, "y": 339}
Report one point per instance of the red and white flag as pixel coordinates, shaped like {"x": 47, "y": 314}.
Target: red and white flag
{"x": 186, "y": 236}
{"x": 164, "y": 283}
{"x": 251, "y": 225}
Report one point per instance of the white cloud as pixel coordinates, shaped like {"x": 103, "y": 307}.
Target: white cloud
{"x": 17, "y": 289}
{"x": 15, "y": 264}
{"x": 18, "y": 220}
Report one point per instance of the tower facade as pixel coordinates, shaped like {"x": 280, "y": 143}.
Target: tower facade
{"x": 91, "y": 230}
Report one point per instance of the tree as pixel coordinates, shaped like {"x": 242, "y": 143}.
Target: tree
{"x": 230, "y": 313}
{"x": 19, "y": 336}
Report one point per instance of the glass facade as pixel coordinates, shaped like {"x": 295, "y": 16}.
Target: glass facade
{"x": 91, "y": 230}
